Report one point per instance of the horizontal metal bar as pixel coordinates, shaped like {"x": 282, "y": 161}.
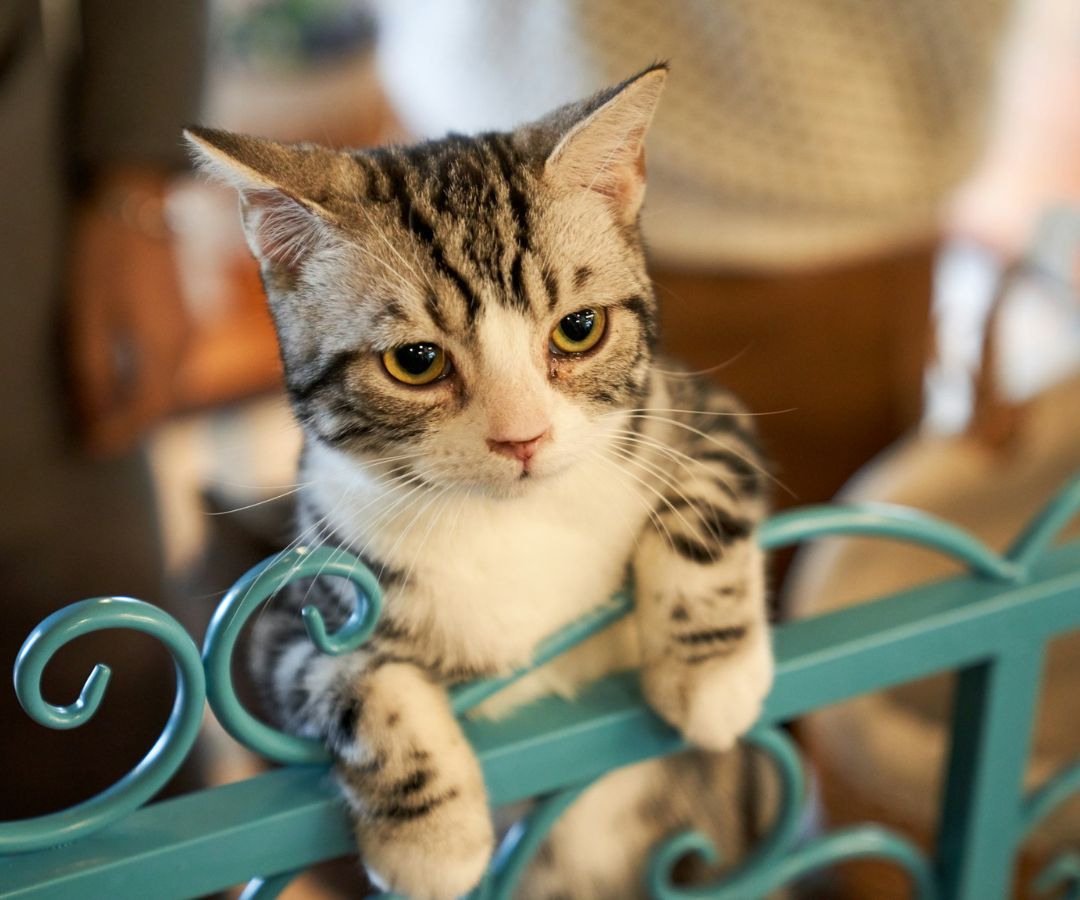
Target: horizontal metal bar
{"x": 194, "y": 844}
{"x": 292, "y": 818}
{"x": 948, "y": 625}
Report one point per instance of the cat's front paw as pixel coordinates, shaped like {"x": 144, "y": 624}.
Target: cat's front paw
{"x": 712, "y": 701}
{"x": 431, "y": 849}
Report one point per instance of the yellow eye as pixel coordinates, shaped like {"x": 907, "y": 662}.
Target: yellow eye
{"x": 416, "y": 364}
{"x": 579, "y": 331}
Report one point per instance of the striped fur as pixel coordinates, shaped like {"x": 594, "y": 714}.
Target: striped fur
{"x": 482, "y": 245}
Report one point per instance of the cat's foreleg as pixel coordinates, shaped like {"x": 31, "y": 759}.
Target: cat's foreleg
{"x": 707, "y": 661}
{"x": 412, "y": 782}
{"x": 700, "y": 586}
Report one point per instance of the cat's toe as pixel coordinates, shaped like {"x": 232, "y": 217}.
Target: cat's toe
{"x": 726, "y": 700}
{"x": 435, "y": 855}
{"x": 712, "y": 703}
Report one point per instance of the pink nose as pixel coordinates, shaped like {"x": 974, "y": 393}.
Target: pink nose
{"x": 520, "y": 450}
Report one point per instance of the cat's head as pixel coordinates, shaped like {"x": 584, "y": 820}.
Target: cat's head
{"x": 477, "y": 306}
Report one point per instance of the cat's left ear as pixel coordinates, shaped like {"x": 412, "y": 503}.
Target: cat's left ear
{"x": 278, "y": 185}
{"x": 603, "y": 151}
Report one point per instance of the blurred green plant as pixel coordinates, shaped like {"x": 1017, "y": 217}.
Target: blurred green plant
{"x": 290, "y": 35}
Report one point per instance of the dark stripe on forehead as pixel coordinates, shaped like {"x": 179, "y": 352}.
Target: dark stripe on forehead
{"x": 551, "y": 285}
{"x": 472, "y": 302}
{"x": 499, "y": 148}
{"x": 582, "y": 274}
{"x": 444, "y": 178}
{"x": 518, "y": 298}
{"x": 373, "y": 179}
{"x": 391, "y": 311}
{"x": 472, "y": 195}
{"x": 519, "y": 203}
{"x": 414, "y": 221}
{"x": 431, "y": 304}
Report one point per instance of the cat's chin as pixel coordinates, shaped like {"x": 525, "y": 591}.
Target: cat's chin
{"x": 505, "y": 490}
{"x": 514, "y": 488}
{"x": 511, "y": 490}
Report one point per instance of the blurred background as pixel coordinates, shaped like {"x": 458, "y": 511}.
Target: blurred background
{"x": 862, "y": 216}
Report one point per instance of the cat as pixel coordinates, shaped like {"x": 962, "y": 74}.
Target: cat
{"x": 469, "y": 341}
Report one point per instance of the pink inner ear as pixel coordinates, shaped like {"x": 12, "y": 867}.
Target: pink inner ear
{"x": 623, "y": 182}
{"x": 618, "y": 175}
{"x": 280, "y": 229}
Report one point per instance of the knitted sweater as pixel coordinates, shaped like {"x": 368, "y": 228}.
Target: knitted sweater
{"x": 792, "y": 132}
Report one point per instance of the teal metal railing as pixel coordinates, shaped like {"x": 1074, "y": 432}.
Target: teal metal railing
{"x": 990, "y": 626}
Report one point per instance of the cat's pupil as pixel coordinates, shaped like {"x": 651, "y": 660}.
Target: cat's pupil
{"x": 416, "y": 359}
{"x": 579, "y": 325}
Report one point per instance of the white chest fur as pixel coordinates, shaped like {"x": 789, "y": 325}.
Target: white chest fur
{"x": 489, "y": 578}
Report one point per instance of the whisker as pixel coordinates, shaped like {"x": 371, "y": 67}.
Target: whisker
{"x": 652, "y": 490}
{"x": 636, "y": 461}
{"x": 396, "y": 508}
{"x": 445, "y": 496}
{"x": 345, "y": 547}
{"x": 649, "y": 509}
{"x": 226, "y": 512}
{"x": 682, "y": 459}
{"x": 712, "y": 440}
{"x": 320, "y": 533}
{"x": 675, "y": 373}
{"x": 224, "y": 482}
{"x": 295, "y": 542}
{"x": 698, "y": 412}
{"x": 669, "y": 453}
{"x": 412, "y": 522}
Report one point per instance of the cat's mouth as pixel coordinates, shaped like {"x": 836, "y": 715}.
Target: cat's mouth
{"x": 529, "y": 474}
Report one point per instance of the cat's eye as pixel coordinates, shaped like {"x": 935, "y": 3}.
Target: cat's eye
{"x": 416, "y": 364}
{"x": 579, "y": 331}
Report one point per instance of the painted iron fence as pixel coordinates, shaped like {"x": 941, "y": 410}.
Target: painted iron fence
{"x": 990, "y": 626}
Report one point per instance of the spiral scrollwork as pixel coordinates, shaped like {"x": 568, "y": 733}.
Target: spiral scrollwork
{"x": 914, "y": 527}
{"x": 522, "y": 843}
{"x": 160, "y": 762}
{"x": 1061, "y": 877}
{"x": 887, "y": 521}
{"x": 780, "y": 859}
{"x": 1044, "y": 528}
{"x": 242, "y": 600}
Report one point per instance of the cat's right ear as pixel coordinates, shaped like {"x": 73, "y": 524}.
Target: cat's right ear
{"x": 603, "y": 149}
{"x": 281, "y": 222}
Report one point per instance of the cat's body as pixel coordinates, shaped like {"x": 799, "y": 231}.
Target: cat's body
{"x": 468, "y": 335}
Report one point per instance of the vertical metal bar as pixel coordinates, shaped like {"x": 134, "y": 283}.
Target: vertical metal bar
{"x": 993, "y": 715}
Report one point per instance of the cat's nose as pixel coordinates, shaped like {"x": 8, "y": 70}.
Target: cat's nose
{"x": 519, "y": 450}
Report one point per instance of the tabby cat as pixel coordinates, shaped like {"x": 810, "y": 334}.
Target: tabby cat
{"x": 468, "y": 335}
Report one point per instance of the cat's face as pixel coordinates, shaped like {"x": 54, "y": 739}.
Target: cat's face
{"x": 476, "y": 309}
